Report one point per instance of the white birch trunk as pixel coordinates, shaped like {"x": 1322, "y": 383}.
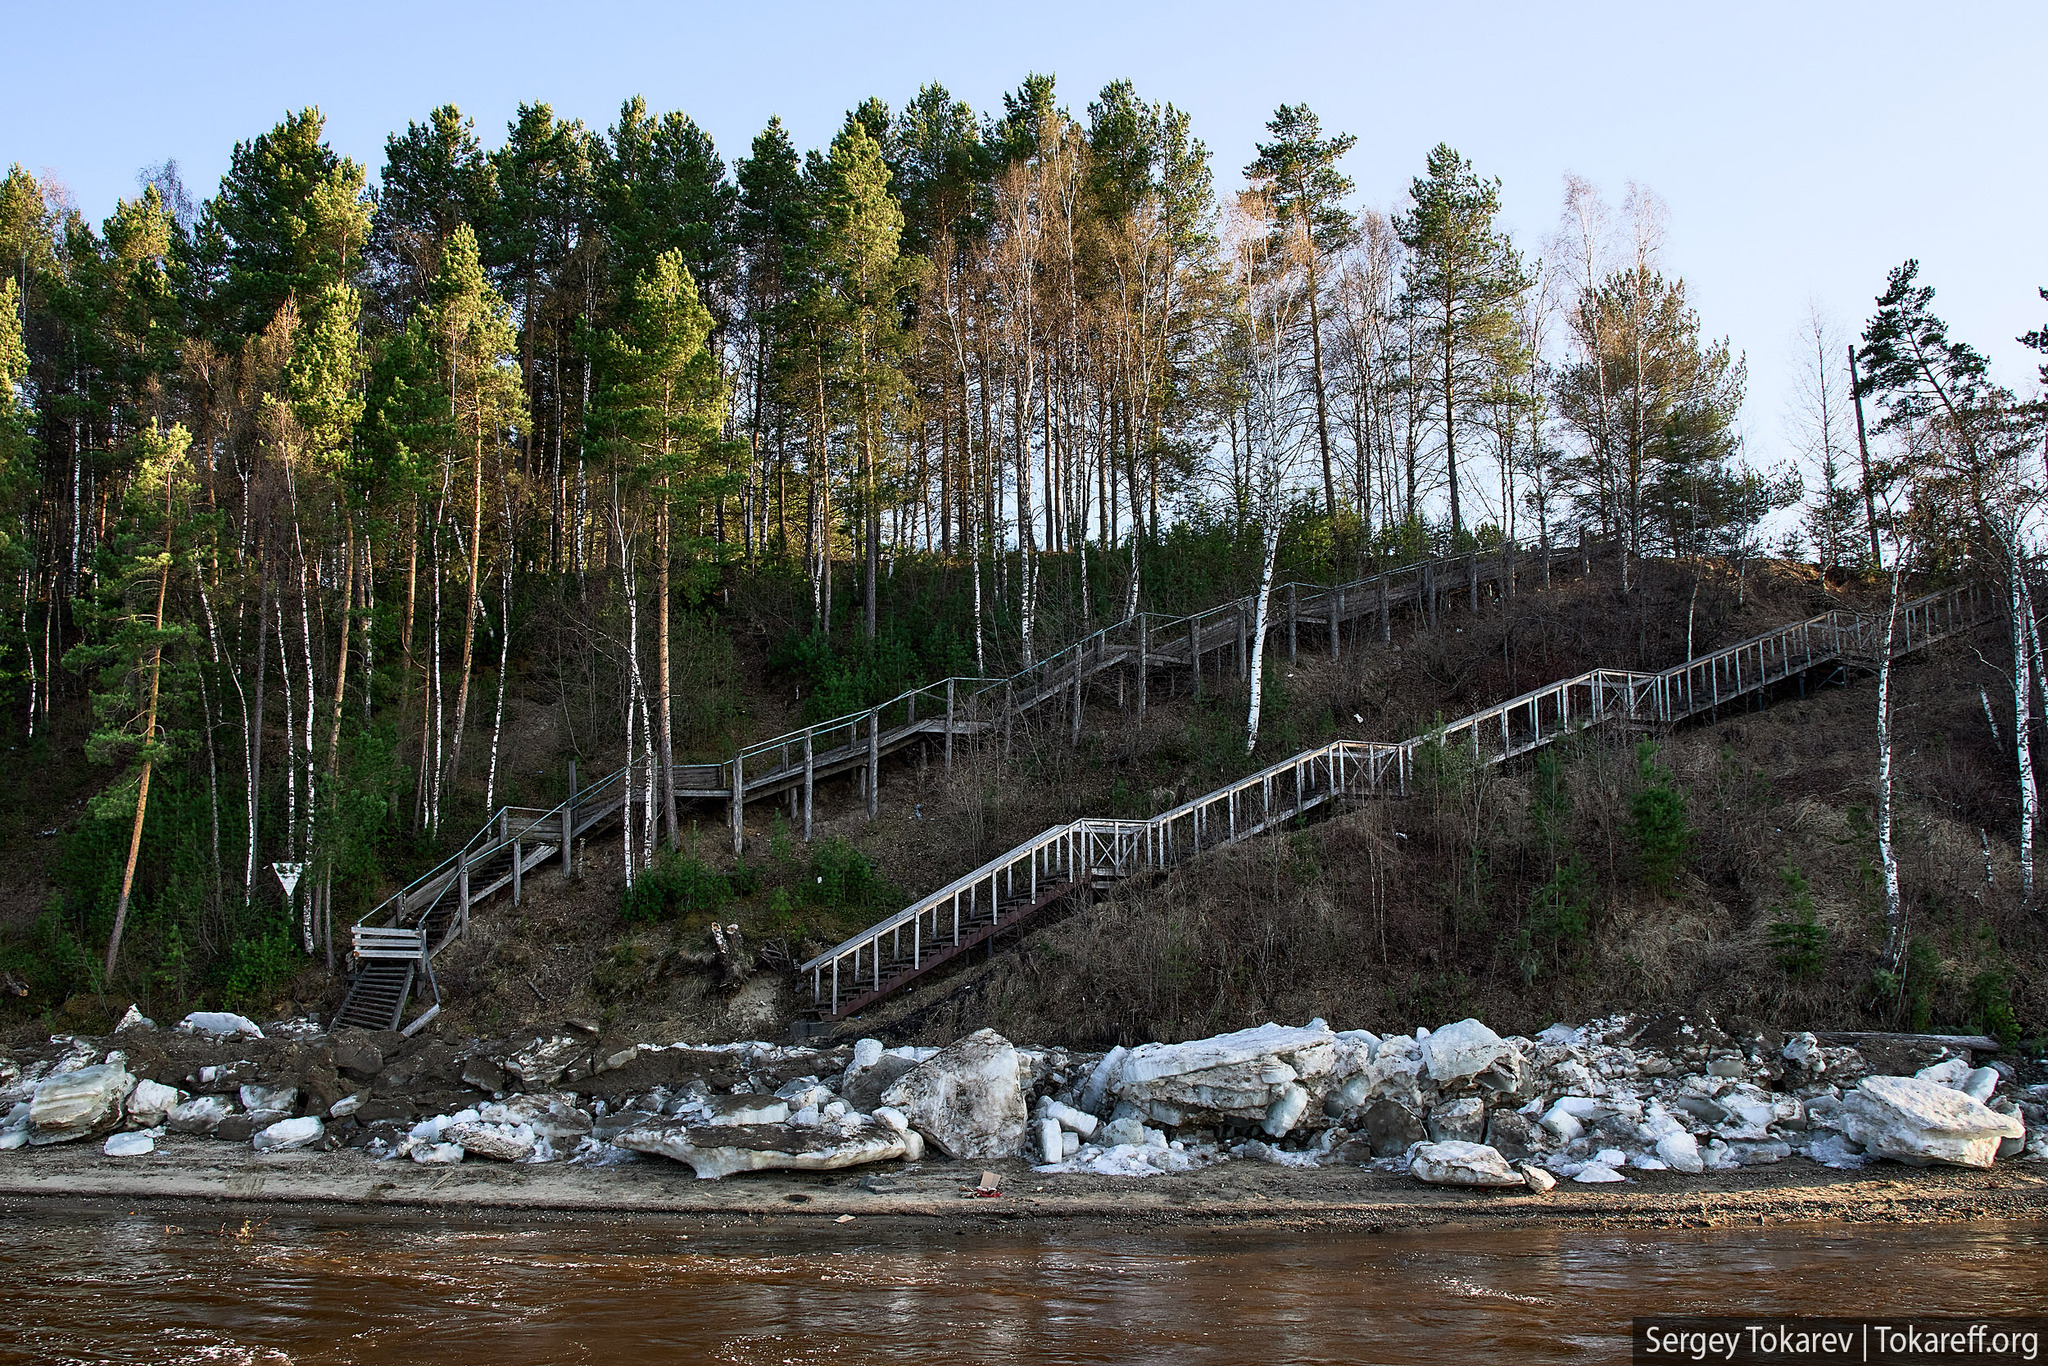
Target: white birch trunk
{"x": 2022, "y": 727}
{"x": 1272, "y": 530}
{"x": 291, "y": 779}
{"x": 1894, "y": 906}
{"x": 632, "y": 683}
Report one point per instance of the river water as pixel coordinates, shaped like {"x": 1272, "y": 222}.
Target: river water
{"x": 290, "y": 1289}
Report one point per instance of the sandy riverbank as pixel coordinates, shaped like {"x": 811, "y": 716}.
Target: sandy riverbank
{"x": 197, "y": 1178}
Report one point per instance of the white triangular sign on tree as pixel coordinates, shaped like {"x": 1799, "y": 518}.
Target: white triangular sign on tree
{"x": 288, "y": 874}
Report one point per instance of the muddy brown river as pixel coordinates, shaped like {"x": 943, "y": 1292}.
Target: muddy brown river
{"x": 127, "y": 1288}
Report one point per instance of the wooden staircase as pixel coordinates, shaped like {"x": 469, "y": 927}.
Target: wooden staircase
{"x": 900, "y": 966}
{"x": 941, "y": 925}
{"x": 377, "y": 993}
{"x": 434, "y": 910}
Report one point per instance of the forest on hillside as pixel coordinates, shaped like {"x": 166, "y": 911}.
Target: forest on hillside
{"x": 295, "y": 477}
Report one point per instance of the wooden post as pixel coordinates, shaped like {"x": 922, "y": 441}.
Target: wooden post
{"x": 1386, "y": 611}
{"x": 810, "y": 782}
{"x": 1144, "y": 662}
{"x": 1336, "y": 634}
{"x": 1585, "y": 554}
{"x": 874, "y": 764}
{"x": 1472, "y": 583}
{"x": 568, "y": 837}
{"x": 462, "y": 905}
{"x": 1244, "y": 655}
{"x": 739, "y": 804}
{"x": 1195, "y": 652}
{"x": 327, "y": 912}
{"x": 517, "y": 851}
{"x": 949, "y": 725}
{"x": 1428, "y": 594}
{"x": 1075, "y": 738}
{"x": 1293, "y": 596}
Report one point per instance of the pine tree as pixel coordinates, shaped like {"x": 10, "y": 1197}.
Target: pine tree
{"x": 151, "y": 551}
{"x": 291, "y": 218}
{"x": 662, "y": 187}
{"x": 1463, "y": 279}
{"x": 774, "y": 225}
{"x": 17, "y": 472}
{"x": 436, "y": 178}
{"x": 661, "y": 410}
{"x": 868, "y": 277}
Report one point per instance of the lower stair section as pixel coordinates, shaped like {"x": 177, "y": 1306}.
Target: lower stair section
{"x": 902, "y": 967}
{"x": 377, "y": 994}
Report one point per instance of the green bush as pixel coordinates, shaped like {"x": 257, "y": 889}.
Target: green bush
{"x": 674, "y": 884}
{"x": 843, "y": 877}
{"x": 1909, "y": 994}
{"x": 1798, "y": 940}
{"x": 1991, "y": 1006}
{"x": 50, "y": 960}
{"x": 259, "y": 966}
{"x": 1561, "y": 910}
{"x": 1658, "y": 826}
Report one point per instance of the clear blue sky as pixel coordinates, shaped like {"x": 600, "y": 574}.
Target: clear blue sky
{"x": 1803, "y": 148}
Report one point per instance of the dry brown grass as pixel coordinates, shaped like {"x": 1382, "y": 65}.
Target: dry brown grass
{"x": 1401, "y": 913}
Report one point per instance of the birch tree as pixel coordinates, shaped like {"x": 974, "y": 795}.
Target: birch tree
{"x": 1271, "y": 285}
{"x": 1968, "y": 438}
{"x": 478, "y": 349}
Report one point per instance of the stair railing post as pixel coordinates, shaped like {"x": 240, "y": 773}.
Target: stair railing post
{"x": 462, "y": 911}
{"x": 1144, "y": 661}
{"x": 949, "y": 725}
{"x": 809, "y": 785}
{"x": 568, "y": 836}
{"x": 1386, "y": 611}
{"x": 1472, "y": 583}
{"x": 874, "y": 764}
{"x": 1074, "y": 737}
{"x": 739, "y": 804}
{"x": 1336, "y": 635}
{"x": 1195, "y": 653}
{"x": 517, "y": 852}
{"x": 1293, "y": 609}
